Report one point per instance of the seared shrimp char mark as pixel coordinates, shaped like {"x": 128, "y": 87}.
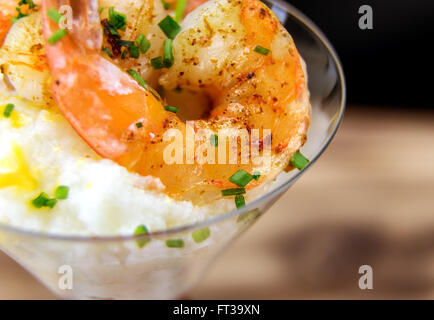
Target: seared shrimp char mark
{"x": 214, "y": 53}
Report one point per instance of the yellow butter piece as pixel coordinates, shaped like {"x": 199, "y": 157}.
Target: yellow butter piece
{"x": 19, "y": 120}
{"x": 21, "y": 175}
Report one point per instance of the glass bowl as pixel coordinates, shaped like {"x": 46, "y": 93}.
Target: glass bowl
{"x": 116, "y": 267}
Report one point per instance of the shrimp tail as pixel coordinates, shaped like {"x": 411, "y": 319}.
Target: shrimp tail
{"x": 85, "y": 85}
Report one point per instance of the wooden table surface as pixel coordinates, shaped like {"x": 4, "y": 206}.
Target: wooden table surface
{"x": 368, "y": 200}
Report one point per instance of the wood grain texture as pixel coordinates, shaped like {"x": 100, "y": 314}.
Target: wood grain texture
{"x": 368, "y": 200}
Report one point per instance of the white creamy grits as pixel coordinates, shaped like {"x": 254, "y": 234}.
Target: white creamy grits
{"x": 104, "y": 198}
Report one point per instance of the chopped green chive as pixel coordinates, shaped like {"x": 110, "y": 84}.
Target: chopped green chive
{"x": 175, "y": 243}
{"x": 57, "y": 36}
{"x": 61, "y": 192}
{"x": 241, "y": 178}
{"x": 166, "y": 5}
{"x": 41, "y": 200}
{"x": 143, "y": 43}
{"x": 54, "y": 15}
{"x": 201, "y": 235}
{"x": 137, "y": 77}
{"x": 113, "y": 31}
{"x": 167, "y": 53}
{"x": 170, "y": 27}
{"x": 240, "y": 201}
{"x": 117, "y": 20}
{"x": 157, "y": 63}
{"x": 107, "y": 52}
{"x": 44, "y": 201}
{"x": 19, "y": 16}
{"x": 256, "y": 175}
{"x": 50, "y": 203}
{"x": 214, "y": 140}
{"x": 31, "y": 4}
{"x": 299, "y": 161}
{"x": 124, "y": 54}
{"x": 100, "y": 10}
{"x": 134, "y": 52}
{"x": 180, "y": 9}
{"x": 125, "y": 43}
{"x": 233, "y": 192}
{"x": 139, "y": 125}
{"x": 141, "y": 230}
{"x": 261, "y": 50}
{"x": 171, "y": 109}
{"x": 8, "y": 110}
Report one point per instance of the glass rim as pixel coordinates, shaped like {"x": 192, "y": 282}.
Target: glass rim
{"x": 307, "y": 23}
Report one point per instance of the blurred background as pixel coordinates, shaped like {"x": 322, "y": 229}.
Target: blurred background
{"x": 368, "y": 201}
{"x": 387, "y": 66}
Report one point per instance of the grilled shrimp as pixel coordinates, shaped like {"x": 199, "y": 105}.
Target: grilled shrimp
{"x": 217, "y": 53}
{"x": 23, "y": 63}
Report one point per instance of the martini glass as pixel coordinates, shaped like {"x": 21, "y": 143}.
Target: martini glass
{"x": 119, "y": 267}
